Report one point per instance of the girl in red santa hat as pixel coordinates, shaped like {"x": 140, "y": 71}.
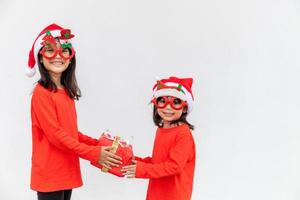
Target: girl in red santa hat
{"x": 171, "y": 167}
{"x": 56, "y": 142}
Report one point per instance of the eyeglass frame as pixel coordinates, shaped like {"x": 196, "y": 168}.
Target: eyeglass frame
{"x": 169, "y": 100}
{"x": 58, "y": 51}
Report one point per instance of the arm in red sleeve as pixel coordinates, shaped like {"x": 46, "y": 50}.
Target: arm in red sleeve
{"x": 178, "y": 157}
{"x": 87, "y": 140}
{"x": 145, "y": 160}
{"x": 44, "y": 110}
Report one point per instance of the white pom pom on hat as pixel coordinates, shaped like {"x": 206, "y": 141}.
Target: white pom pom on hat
{"x": 176, "y": 87}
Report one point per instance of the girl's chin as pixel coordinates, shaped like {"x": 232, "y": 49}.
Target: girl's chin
{"x": 58, "y": 65}
{"x": 169, "y": 119}
{"x": 57, "y": 68}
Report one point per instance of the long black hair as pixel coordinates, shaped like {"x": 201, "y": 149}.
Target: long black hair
{"x": 158, "y": 121}
{"x": 68, "y": 79}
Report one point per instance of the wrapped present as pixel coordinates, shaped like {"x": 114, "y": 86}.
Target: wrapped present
{"x": 120, "y": 147}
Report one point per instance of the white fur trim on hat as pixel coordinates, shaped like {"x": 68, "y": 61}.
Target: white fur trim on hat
{"x": 170, "y": 92}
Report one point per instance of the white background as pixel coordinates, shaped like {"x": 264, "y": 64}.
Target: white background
{"x": 243, "y": 55}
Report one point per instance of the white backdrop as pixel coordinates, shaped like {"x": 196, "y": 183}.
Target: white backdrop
{"x": 243, "y": 55}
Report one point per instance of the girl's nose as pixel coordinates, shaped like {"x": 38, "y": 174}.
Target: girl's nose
{"x": 57, "y": 55}
{"x": 168, "y": 106}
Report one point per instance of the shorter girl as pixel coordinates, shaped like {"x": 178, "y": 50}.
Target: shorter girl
{"x": 171, "y": 167}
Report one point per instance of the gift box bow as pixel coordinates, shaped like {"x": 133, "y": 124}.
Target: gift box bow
{"x": 117, "y": 139}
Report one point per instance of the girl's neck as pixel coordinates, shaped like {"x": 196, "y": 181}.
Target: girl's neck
{"x": 166, "y": 125}
{"x": 56, "y": 78}
{"x": 170, "y": 125}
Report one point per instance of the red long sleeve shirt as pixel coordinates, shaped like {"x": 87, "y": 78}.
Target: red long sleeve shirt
{"x": 56, "y": 142}
{"x": 171, "y": 168}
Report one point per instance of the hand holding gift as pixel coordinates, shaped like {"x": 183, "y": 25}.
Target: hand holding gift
{"x": 113, "y": 147}
{"x": 108, "y": 158}
{"x": 129, "y": 170}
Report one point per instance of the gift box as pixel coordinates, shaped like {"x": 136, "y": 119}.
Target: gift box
{"x": 120, "y": 147}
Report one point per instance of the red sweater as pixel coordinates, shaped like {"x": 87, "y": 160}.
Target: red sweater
{"x": 56, "y": 142}
{"x": 171, "y": 168}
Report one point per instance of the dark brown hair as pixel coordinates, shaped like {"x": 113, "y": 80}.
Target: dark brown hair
{"x": 68, "y": 79}
{"x": 158, "y": 121}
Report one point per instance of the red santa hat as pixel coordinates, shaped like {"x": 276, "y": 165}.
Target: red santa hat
{"x": 176, "y": 87}
{"x": 55, "y": 31}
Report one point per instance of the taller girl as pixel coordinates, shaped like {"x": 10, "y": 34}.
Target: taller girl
{"x": 56, "y": 142}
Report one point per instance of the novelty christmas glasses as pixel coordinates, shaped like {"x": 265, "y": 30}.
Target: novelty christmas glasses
{"x": 162, "y": 102}
{"x": 51, "y": 49}
{"x": 50, "y": 52}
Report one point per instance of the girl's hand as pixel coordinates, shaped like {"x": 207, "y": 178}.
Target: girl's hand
{"x": 108, "y": 159}
{"x": 129, "y": 170}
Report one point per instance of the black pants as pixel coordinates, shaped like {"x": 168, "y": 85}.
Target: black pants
{"x": 57, "y": 195}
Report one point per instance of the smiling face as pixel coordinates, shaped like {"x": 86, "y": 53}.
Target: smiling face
{"x": 168, "y": 113}
{"x": 56, "y": 65}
